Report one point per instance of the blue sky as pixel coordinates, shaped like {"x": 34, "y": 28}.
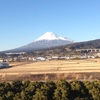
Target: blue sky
{"x": 23, "y": 21}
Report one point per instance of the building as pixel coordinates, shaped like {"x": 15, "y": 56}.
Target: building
{"x": 40, "y": 59}
{"x": 4, "y": 65}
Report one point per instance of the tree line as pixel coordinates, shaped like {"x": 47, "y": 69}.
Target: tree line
{"x": 60, "y": 90}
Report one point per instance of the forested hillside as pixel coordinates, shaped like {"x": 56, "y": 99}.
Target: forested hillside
{"x": 87, "y": 44}
{"x": 61, "y": 90}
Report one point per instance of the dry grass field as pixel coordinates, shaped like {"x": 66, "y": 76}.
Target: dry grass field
{"x": 52, "y": 67}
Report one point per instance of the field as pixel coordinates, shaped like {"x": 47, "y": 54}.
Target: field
{"x": 45, "y": 70}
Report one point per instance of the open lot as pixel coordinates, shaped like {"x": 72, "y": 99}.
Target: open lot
{"x": 52, "y": 67}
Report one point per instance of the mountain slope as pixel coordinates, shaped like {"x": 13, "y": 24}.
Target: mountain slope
{"x": 70, "y": 49}
{"x": 48, "y": 40}
{"x": 85, "y": 45}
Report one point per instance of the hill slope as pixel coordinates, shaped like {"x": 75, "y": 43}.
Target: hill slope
{"x": 47, "y": 40}
{"x": 85, "y": 45}
{"x": 70, "y": 49}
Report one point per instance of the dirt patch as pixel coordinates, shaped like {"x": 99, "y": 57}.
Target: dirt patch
{"x": 53, "y": 77}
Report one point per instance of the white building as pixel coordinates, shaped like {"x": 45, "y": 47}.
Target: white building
{"x": 98, "y": 54}
{"x": 40, "y": 59}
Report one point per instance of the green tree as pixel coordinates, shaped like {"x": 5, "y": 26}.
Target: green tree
{"x": 25, "y": 95}
{"x": 78, "y": 90}
{"x": 62, "y": 90}
{"x": 40, "y": 95}
{"x": 48, "y": 89}
{"x": 9, "y": 95}
{"x": 17, "y": 86}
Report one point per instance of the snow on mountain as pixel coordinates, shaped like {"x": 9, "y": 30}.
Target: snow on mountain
{"x": 48, "y": 36}
{"x": 51, "y": 36}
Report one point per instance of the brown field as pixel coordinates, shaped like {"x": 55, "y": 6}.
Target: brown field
{"x": 58, "y": 67}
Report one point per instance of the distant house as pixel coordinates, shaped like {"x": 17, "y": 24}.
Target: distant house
{"x": 83, "y": 57}
{"x": 1, "y": 60}
{"x": 91, "y": 57}
{"x": 4, "y": 65}
{"x": 67, "y": 58}
{"x": 40, "y": 58}
{"x": 98, "y": 55}
{"x": 55, "y": 57}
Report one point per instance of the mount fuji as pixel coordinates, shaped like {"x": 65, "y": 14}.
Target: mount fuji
{"x": 46, "y": 41}
{"x": 50, "y": 36}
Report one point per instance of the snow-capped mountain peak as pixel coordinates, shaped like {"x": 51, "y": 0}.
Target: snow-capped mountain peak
{"x": 48, "y": 36}
{"x": 48, "y": 40}
{"x": 51, "y": 36}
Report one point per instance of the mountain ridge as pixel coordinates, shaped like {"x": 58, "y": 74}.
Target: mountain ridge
{"x": 47, "y": 40}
